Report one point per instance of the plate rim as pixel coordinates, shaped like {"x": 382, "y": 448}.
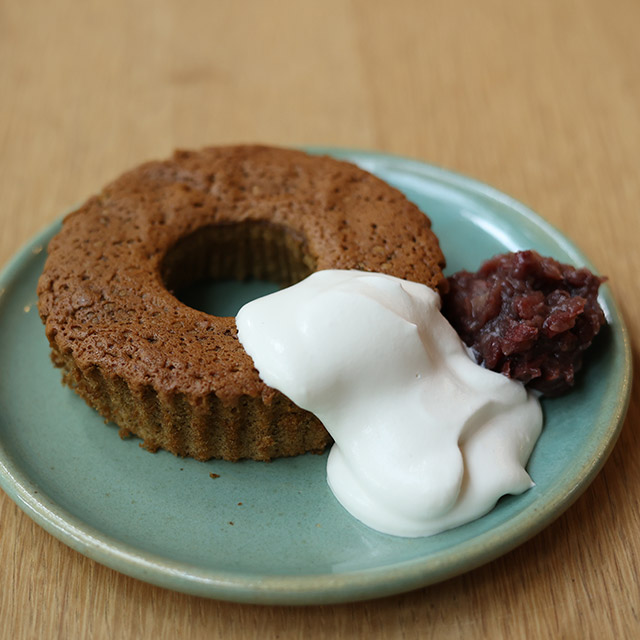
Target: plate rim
{"x": 327, "y": 588}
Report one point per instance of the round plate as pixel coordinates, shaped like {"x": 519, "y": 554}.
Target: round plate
{"x": 272, "y": 532}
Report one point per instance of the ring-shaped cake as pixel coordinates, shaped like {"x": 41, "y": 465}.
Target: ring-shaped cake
{"x": 178, "y": 377}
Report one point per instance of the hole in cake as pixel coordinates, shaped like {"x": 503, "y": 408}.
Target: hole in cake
{"x": 224, "y": 297}
{"x": 218, "y": 268}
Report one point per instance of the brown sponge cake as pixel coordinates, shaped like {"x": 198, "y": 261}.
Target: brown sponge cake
{"x": 177, "y": 377}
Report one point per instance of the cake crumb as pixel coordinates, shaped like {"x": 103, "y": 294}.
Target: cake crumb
{"x": 214, "y": 475}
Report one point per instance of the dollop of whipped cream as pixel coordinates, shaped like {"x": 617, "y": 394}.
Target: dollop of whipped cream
{"x": 425, "y": 439}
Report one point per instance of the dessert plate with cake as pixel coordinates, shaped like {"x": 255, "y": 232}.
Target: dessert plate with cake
{"x": 234, "y": 503}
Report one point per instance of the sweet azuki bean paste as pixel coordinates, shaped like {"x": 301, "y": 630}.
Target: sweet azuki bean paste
{"x": 527, "y": 316}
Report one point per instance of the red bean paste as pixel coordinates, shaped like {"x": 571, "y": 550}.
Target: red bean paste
{"x": 527, "y": 317}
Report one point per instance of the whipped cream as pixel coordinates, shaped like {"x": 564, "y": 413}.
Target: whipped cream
{"x": 425, "y": 439}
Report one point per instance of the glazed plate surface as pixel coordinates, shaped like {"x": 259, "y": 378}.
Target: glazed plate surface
{"x": 273, "y": 533}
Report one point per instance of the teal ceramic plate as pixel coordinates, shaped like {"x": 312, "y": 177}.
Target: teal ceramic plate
{"x": 272, "y": 533}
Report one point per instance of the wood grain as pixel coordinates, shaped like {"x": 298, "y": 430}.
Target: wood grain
{"x": 540, "y": 99}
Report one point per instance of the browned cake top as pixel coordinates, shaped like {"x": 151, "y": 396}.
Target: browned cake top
{"x": 104, "y": 294}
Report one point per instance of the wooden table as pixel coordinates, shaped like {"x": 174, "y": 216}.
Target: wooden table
{"x": 540, "y": 99}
